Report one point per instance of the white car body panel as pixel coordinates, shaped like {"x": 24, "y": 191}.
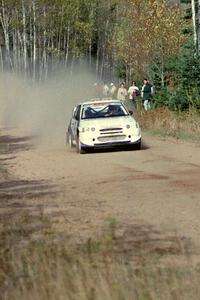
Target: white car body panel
{"x": 108, "y": 130}
{"x": 104, "y": 131}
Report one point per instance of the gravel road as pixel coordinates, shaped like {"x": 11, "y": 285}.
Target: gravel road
{"x": 158, "y": 186}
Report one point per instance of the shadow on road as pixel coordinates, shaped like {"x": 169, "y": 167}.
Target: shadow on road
{"x": 25, "y": 189}
{"x": 10, "y": 144}
{"x": 144, "y": 147}
{"x": 8, "y": 139}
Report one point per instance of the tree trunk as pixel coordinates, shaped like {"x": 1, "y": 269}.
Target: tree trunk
{"x": 1, "y": 59}
{"x": 14, "y": 49}
{"x": 24, "y": 38}
{"x": 194, "y": 23}
{"x": 90, "y": 54}
{"x": 20, "y": 52}
{"x": 34, "y": 41}
{"x": 199, "y": 26}
{"x": 44, "y": 69}
{"x": 5, "y": 26}
{"x": 67, "y": 46}
{"x": 97, "y": 62}
{"x": 162, "y": 74}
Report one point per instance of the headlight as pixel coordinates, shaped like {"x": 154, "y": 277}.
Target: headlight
{"x": 86, "y": 129}
{"x": 81, "y": 129}
{"x": 133, "y": 125}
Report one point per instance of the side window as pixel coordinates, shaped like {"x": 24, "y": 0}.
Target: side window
{"x": 77, "y": 112}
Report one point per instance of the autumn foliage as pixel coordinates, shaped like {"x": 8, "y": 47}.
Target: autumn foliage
{"x": 148, "y": 30}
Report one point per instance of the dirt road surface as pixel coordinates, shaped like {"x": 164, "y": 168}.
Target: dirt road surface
{"x": 157, "y": 187}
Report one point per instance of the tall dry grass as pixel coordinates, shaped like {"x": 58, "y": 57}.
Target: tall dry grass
{"x": 177, "y": 124}
{"x": 49, "y": 267}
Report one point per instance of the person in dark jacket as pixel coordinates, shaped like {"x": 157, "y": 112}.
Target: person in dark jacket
{"x": 147, "y": 92}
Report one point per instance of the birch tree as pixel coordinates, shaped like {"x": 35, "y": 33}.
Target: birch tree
{"x": 24, "y": 37}
{"x": 41, "y": 35}
{"x": 5, "y": 23}
{"x": 194, "y": 22}
{"x": 199, "y": 26}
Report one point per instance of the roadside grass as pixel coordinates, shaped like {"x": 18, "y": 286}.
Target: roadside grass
{"x": 50, "y": 267}
{"x": 163, "y": 122}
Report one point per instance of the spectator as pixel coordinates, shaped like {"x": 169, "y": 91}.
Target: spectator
{"x": 97, "y": 90}
{"x": 133, "y": 92}
{"x": 122, "y": 92}
{"x": 113, "y": 90}
{"x": 147, "y": 92}
{"x": 105, "y": 90}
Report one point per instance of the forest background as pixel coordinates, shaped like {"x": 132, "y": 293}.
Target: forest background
{"x": 116, "y": 40}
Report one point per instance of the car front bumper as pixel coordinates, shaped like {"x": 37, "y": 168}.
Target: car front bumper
{"x": 111, "y": 144}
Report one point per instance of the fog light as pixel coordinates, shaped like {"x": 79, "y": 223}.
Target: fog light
{"x": 129, "y": 136}
{"x": 93, "y": 140}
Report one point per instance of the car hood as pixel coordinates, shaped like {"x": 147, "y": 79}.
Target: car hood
{"x": 109, "y": 122}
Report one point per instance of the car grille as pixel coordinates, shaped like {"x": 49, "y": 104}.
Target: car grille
{"x": 111, "y": 138}
{"x": 111, "y": 131}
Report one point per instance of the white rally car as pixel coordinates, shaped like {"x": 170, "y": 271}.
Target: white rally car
{"x": 102, "y": 123}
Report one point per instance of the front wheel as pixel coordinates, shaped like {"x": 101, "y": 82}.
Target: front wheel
{"x": 79, "y": 148}
{"x": 69, "y": 140}
{"x": 137, "y": 146}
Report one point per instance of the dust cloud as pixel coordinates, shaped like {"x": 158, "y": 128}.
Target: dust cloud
{"x": 43, "y": 109}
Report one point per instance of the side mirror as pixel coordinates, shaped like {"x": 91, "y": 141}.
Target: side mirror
{"x": 130, "y": 112}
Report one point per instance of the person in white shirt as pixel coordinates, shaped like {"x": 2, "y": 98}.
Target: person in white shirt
{"x": 133, "y": 92}
{"x": 122, "y": 92}
{"x": 113, "y": 90}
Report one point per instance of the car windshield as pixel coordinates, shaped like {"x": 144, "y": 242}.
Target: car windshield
{"x": 103, "y": 110}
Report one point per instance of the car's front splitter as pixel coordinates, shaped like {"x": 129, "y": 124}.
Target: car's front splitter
{"x": 110, "y": 144}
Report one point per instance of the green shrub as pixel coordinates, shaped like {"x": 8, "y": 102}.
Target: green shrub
{"x": 179, "y": 101}
{"x": 161, "y": 98}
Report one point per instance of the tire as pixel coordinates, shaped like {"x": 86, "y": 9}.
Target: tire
{"x": 69, "y": 140}
{"x": 137, "y": 146}
{"x": 79, "y": 149}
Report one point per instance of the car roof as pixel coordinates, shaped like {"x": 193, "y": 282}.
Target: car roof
{"x": 98, "y": 100}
